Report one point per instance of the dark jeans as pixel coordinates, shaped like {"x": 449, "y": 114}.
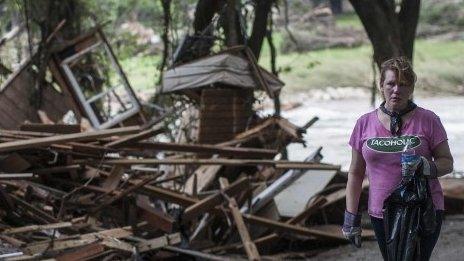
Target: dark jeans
{"x": 427, "y": 243}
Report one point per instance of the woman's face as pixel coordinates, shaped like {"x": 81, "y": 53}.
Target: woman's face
{"x": 396, "y": 93}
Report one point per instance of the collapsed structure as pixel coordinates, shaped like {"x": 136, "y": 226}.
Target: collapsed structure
{"x": 113, "y": 190}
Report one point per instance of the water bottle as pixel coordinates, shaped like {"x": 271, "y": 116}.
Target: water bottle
{"x": 409, "y": 160}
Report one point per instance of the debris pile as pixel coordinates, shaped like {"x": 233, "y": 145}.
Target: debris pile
{"x": 110, "y": 188}
{"x": 117, "y": 193}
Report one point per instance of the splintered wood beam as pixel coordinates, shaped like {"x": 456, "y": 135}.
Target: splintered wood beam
{"x": 43, "y": 216}
{"x": 154, "y": 217}
{"x": 289, "y": 228}
{"x": 11, "y": 176}
{"x": 112, "y": 181}
{"x": 157, "y": 243}
{"x": 207, "y": 149}
{"x": 274, "y": 236}
{"x": 86, "y": 187}
{"x": 60, "y": 139}
{"x": 161, "y": 193}
{"x": 32, "y": 228}
{"x": 295, "y": 220}
{"x": 51, "y": 128}
{"x": 81, "y": 253}
{"x": 194, "y": 253}
{"x": 212, "y": 201}
{"x": 310, "y": 123}
{"x": 123, "y": 194}
{"x": 279, "y": 164}
{"x": 61, "y": 244}
{"x": 118, "y": 244}
{"x": 157, "y": 129}
{"x": 91, "y": 149}
{"x": 250, "y": 247}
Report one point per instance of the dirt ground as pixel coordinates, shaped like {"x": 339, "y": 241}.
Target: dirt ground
{"x": 449, "y": 246}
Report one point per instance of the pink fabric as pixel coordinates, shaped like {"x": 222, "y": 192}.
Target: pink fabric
{"x": 383, "y": 168}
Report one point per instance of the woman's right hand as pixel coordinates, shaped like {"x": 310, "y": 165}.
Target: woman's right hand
{"x": 352, "y": 228}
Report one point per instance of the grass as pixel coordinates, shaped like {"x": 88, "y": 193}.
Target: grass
{"x": 348, "y": 20}
{"x": 437, "y": 63}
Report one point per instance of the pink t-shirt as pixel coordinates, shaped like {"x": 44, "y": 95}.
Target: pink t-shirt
{"x": 382, "y": 153}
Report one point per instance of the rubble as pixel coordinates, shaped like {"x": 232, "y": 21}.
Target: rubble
{"x": 109, "y": 188}
{"x": 61, "y": 193}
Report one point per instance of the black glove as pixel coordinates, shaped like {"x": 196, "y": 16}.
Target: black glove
{"x": 352, "y": 228}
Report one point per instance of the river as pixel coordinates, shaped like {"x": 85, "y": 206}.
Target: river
{"x": 337, "y": 119}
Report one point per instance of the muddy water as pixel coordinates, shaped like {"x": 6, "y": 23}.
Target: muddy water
{"x": 337, "y": 119}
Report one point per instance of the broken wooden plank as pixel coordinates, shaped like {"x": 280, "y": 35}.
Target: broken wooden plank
{"x": 250, "y": 247}
{"x": 58, "y": 245}
{"x": 12, "y": 241}
{"x": 81, "y": 253}
{"x": 310, "y": 123}
{"x": 157, "y": 243}
{"x": 207, "y": 149}
{"x": 32, "y": 228}
{"x": 60, "y": 139}
{"x": 154, "y": 217}
{"x": 274, "y": 236}
{"x": 205, "y": 175}
{"x": 155, "y": 130}
{"x": 284, "y": 164}
{"x": 51, "y": 128}
{"x": 118, "y": 244}
{"x": 11, "y": 176}
{"x": 37, "y": 212}
{"x": 61, "y": 244}
{"x": 288, "y": 228}
{"x": 196, "y": 253}
{"x": 111, "y": 182}
{"x": 210, "y": 202}
{"x": 305, "y": 186}
{"x": 123, "y": 194}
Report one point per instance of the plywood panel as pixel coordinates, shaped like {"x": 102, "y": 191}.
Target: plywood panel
{"x": 306, "y": 186}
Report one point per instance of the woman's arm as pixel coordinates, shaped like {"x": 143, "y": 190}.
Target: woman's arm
{"x": 443, "y": 159}
{"x": 355, "y": 179}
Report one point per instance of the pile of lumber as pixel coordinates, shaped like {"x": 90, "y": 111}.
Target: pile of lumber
{"x": 121, "y": 193}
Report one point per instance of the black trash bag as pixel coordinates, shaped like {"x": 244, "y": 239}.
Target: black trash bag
{"x": 409, "y": 214}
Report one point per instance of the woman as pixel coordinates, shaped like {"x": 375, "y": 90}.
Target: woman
{"x": 377, "y": 141}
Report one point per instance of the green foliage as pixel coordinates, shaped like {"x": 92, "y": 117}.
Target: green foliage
{"x": 443, "y": 13}
{"x": 142, "y": 71}
{"x": 148, "y": 12}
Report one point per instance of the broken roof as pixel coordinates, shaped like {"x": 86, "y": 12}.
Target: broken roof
{"x": 222, "y": 68}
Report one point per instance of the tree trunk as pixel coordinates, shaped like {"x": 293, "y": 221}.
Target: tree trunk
{"x": 262, "y": 10}
{"x": 409, "y": 17}
{"x": 231, "y": 24}
{"x": 166, "y": 4}
{"x": 204, "y": 13}
{"x": 391, "y": 33}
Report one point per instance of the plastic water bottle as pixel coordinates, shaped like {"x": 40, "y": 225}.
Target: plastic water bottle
{"x": 409, "y": 160}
